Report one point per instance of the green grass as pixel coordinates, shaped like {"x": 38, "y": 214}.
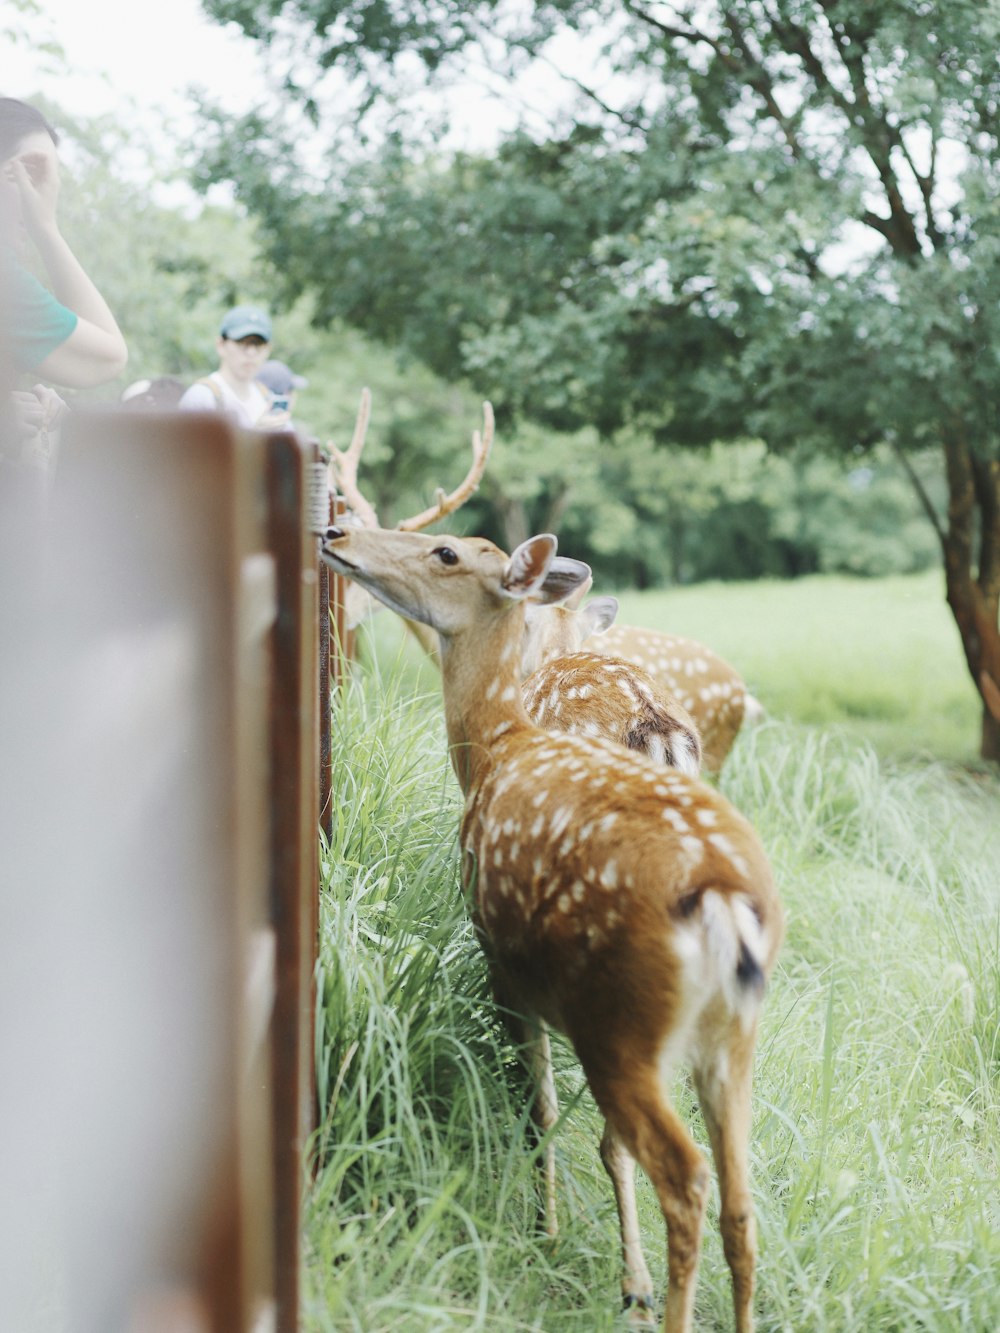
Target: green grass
{"x": 876, "y": 1130}
{"x": 880, "y": 658}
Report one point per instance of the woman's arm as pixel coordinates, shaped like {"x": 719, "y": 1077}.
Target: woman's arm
{"x": 95, "y": 351}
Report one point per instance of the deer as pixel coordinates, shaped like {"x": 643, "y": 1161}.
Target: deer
{"x": 700, "y": 681}
{"x": 586, "y": 694}
{"x": 695, "y": 678}
{"x": 627, "y": 906}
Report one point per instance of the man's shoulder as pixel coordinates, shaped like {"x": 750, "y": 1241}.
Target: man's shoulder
{"x": 203, "y": 393}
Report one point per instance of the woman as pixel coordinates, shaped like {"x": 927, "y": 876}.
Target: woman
{"x": 68, "y": 335}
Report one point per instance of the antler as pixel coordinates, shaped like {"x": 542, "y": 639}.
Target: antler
{"x": 447, "y": 504}
{"x": 344, "y": 466}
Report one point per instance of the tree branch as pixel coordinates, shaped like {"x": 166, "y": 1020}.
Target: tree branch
{"x": 925, "y": 500}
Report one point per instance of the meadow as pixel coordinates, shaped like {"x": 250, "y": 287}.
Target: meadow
{"x": 876, "y": 1130}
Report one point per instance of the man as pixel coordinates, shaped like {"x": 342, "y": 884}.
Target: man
{"x": 243, "y": 345}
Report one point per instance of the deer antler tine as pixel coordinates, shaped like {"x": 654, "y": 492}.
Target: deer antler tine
{"x": 344, "y": 466}
{"x": 447, "y": 504}
{"x": 361, "y": 424}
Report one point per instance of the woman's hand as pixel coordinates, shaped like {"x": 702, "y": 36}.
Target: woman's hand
{"x": 36, "y": 410}
{"x": 35, "y": 175}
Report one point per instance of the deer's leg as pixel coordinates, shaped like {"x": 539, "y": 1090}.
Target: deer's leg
{"x": 637, "y": 1285}
{"x": 723, "y": 1082}
{"x": 653, "y": 1134}
{"x": 536, "y": 1053}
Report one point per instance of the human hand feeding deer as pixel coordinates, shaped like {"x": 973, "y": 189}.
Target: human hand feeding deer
{"x": 628, "y": 906}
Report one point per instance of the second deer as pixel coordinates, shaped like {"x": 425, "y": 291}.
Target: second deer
{"x": 628, "y": 906}
{"x": 709, "y": 689}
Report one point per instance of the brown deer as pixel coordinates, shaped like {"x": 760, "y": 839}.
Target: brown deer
{"x": 586, "y": 694}
{"x": 709, "y": 688}
{"x": 697, "y": 679}
{"x": 628, "y": 906}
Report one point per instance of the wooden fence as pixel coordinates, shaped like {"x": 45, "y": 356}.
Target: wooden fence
{"x": 191, "y": 622}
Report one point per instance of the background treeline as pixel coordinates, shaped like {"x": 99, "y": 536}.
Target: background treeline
{"x": 643, "y": 513}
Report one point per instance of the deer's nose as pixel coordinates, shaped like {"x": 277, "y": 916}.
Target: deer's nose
{"x": 335, "y": 534}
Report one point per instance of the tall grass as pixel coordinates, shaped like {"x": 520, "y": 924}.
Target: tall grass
{"x": 877, "y": 1108}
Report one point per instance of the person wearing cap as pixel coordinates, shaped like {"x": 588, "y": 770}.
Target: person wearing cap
{"x": 243, "y": 345}
{"x": 282, "y": 383}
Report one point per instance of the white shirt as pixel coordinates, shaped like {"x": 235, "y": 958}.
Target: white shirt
{"x": 200, "y": 398}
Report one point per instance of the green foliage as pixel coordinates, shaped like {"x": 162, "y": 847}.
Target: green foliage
{"x": 876, "y": 1130}
{"x": 638, "y": 514}
{"x": 685, "y": 257}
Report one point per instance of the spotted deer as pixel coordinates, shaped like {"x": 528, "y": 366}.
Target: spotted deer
{"x": 709, "y": 688}
{"x": 627, "y": 906}
{"x": 586, "y": 694}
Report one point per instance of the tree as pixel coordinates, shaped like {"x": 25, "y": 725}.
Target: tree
{"x": 787, "y": 228}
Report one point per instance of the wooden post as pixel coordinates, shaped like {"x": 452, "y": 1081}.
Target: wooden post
{"x": 294, "y": 860}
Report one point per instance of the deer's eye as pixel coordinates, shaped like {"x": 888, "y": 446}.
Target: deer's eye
{"x": 446, "y": 555}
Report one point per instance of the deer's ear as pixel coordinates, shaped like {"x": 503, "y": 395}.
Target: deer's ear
{"x": 527, "y": 567}
{"x": 599, "y": 615}
{"x": 575, "y": 599}
{"x": 564, "y": 578}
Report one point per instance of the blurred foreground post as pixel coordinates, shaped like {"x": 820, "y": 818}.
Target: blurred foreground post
{"x": 159, "y": 790}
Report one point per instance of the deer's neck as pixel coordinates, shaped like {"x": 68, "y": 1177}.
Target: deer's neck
{"x": 481, "y": 672}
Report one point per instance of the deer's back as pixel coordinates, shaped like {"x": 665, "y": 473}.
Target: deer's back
{"x": 584, "y": 860}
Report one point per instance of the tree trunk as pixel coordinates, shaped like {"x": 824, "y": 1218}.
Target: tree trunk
{"x": 513, "y": 514}
{"x": 973, "y": 593}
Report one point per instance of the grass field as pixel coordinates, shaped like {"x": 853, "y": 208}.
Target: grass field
{"x": 876, "y": 1132}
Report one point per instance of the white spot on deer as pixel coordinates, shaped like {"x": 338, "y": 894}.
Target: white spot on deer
{"x": 539, "y": 799}
{"x": 706, "y": 818}
{"x": 675, "y": 819}
{"x": 493, "y": 688}
{"x": 723, "y": 844}
{"x": 498, "y": 857}
{"x": 564, "y": 902}
{"x": 609, "y": 876}
{"x": 693, "y": 848}
{"x": 560, "y": 820}
{"x": 515, "y": 850}
{"x": 608, "y": 821}
{"x": 578, "y": 891}
{"x": 537, "y": 826}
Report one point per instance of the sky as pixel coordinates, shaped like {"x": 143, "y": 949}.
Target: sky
{"x": 130, "y": 51}
{"x": 137, "y": 58}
